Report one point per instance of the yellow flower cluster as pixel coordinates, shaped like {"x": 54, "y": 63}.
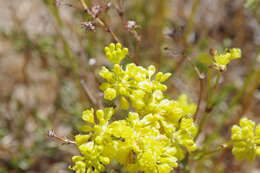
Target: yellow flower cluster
{"x": 246, "y": 140}
{"x": 222, "y": 60}
{"x": 134, "y": 83}
{"x": 115, "y": 53}
{"x": 151, "y": 139}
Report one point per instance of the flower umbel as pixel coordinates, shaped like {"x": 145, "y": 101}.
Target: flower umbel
{"x": 246, "y": 140}
{"x": 151, "y": 139}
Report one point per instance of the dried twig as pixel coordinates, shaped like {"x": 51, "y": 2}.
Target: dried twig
{"x": 99, "y": 21}
{"x": 52, "y": 134}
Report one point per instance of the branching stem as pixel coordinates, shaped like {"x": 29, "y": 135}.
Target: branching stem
{"x": 100, "y": 21}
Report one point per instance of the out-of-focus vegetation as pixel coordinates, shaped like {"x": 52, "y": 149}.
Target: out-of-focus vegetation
{"x": 49, "y": 59}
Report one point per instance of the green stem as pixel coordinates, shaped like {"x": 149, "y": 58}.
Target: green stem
{"x": 210, "y": 96}
{"x": 218, "y": 149}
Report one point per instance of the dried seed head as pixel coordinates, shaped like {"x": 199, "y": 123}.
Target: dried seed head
{"x": 96, "y": 9}
{"x": 88, "y": 26}
{"x": 51, "y": 133}
{"x": 131, "y": 25}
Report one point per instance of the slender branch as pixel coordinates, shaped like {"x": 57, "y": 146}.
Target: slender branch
{"x": 52, "y": 134}
{"x": 209, "y": 105}
{"x": 92, "y": 99}
{"x": 84, "y": 5}
{"x": 100, "y": 21}
{"x": 217, "y": 149}
{"x": 212, "y": 89}
{"x": 201, "y": 87}
{"x": 200, "y": 98}
{"x": 217, "y": 80}
{"x": 201, "y": 78}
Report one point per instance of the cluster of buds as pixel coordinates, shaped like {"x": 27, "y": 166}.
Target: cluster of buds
{"x": 89, "y": 26}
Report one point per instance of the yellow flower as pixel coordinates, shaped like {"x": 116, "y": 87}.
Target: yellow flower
{"x": 222, "y": 60}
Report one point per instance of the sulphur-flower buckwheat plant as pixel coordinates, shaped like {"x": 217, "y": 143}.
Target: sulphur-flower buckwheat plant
{"x": 158, "y": 132}
{"x": 155, "y": 135}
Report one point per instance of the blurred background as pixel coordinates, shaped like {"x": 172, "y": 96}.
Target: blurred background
{"x": 50, "y": 53}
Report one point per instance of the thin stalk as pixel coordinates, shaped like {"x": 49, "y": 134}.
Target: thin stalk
{"x": 210, "y": 95}
{"x": 201, "y": 78}
{"x": 90, "y": 96}
{"x": 52, "y": 134}
{"x": 218, "y": 149}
